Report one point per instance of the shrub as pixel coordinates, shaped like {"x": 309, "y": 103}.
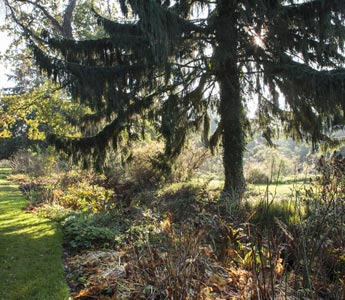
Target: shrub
{"x": 37, "y": 163}
{"x": 175, "y": 274}
{"x": 85, "y": 232}
{"x": 26, "y": 162}
{"x": 188, "y": 163}
{"x": 146, "y": 170}
{"x": 319, "y": 237}
{"x": 82, "y": 196}
{"x": 76, "y": 176}
{"x": 141, "y": 169}
{"x": 305, "y": 233}
{"x": 256, "y": 176}
{"x": 5, "y": 163}
{"x": 53, "y": 212}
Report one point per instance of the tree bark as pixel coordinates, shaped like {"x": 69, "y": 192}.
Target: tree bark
{"x": 231, "y": 108}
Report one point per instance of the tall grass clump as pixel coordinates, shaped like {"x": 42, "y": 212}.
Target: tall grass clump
{"x": 303, "y": 232}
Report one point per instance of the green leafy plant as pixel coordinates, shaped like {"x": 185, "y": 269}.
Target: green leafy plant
{"x": 84, "y": 232}
{"x": 83, "y": 196}
{"x": 54, "y": 212}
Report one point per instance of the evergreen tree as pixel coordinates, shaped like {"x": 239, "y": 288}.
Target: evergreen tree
{"x": 174, "y": 62}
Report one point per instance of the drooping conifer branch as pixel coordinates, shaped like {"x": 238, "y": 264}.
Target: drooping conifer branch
{"x": 92, "y": 150}
{"x": 288, "y": 53}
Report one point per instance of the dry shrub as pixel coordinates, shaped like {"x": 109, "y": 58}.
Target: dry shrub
{"x": 5, "y": 163}
{"x": 177, "y": 273}
{"x": 141, "y": 168}
{"x": 144, "y": 169}
{"x": 184, "y": 267}
{"x": 21, "y": 179}
{"x": 26, "y": 162}
{"x": 255, "y": 175}
{"x": 307, "y": 242}
{"x": 76, "y": 176}
{"x": 35, "y": 164}
{"x": 189, "y": 162}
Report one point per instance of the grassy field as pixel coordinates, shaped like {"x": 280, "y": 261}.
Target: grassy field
{"x": 284, "y": 186}
{"x": 30, "y": 251}
{"x": 282, "y": 189}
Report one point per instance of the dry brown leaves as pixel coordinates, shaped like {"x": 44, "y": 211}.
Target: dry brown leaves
{"x": 108, "y": 275}
{"x": 96, "y": 274}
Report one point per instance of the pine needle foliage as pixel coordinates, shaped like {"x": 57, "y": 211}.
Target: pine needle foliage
{"x": 175, "y": 62}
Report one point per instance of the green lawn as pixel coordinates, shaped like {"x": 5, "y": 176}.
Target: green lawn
{"x": 30, "y": 251}
{"x": 281, "y": 189}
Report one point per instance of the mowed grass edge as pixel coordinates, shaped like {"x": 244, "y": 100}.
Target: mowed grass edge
{"x": 30, "y": 251}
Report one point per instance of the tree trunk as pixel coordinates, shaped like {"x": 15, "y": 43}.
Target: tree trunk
{"x": 67, "y": 31}
{"x": 233, "y": 138}
{"x": 231, "y": 109}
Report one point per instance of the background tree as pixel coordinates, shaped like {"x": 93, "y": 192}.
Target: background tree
{"x": 175, "y": 62}
{"x": 35, "y": 107}
{"x": 39, "y": 112}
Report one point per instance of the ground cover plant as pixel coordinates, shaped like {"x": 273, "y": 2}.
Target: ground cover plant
{"x": 186, "y": 241}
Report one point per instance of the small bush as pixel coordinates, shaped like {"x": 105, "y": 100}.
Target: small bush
{"x": 266, "y": 214}
{"x": 26, "y": 162}
{"x": 82, "y": 196}
{"x": 146, "y": 170}
{"x": 53, "y": 212}
{"x": 37, "y": 163}
{"x": 188, "y": 163}
{"x": 5, "y": 163}
{"x": 141, "y": 169}
{"x": 257, "y": 176}
{"x": 81, "y": 232}
{"x": 175, "y": 274}
{"x": 75, "y": 177}
{"x": 184, "y": 200}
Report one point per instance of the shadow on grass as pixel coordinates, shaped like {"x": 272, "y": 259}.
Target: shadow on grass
{"x": 30, "y": 252}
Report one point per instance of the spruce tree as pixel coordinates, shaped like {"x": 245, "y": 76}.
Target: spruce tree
{"x": 174, "y": 62}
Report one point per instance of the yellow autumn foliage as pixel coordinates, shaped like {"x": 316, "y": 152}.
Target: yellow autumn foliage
{"x": 41, "y": 110}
